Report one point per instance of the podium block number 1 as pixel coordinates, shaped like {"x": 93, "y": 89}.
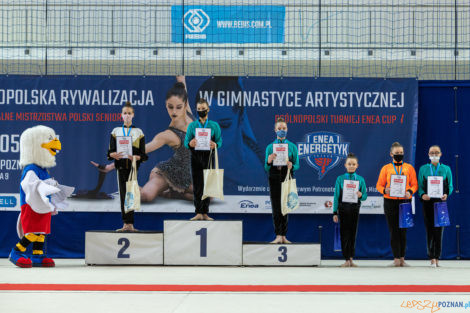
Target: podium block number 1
{"x": 125, "y": 243}
{"x": 203, "y": 233}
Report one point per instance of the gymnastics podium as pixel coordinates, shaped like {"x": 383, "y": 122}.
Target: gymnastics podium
{"x": 123, "y": 248}
{"x": 202, "y": 242}
{"x": 194, "y": 243}
{"x": 294, "y": 254}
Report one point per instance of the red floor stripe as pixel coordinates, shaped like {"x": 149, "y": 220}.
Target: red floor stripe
{"x": 239, "y": 288}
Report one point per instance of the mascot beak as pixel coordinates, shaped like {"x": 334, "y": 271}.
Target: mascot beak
{"x": 52, "y": 146}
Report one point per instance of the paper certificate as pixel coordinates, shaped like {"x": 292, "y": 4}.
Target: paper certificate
{"x": 435, "y": 186}
{"x": 398, "y": 186}
{"x": 203, "y": 139}
{"x": 350, "y": 189}
{"x": 124, "y": 145}
{"x": 282, "y": 154}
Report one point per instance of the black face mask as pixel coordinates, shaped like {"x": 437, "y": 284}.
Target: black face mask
{"x": 202, "y": 113}
{"x": 398, "y": 157}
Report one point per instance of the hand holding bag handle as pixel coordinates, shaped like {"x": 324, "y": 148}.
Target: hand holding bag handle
{"x": 216, "y": 159}
{"x": 288, "y": 175}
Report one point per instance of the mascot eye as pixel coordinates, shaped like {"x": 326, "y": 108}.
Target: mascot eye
{"x": 50, "y": 137}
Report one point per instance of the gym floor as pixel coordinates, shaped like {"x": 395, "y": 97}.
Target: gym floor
{"x": 372, "y": 287}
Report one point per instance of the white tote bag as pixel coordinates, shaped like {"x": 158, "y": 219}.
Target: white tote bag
{"x": 289, "y": 196}
{"x": 213, "y": 180}
{"x": 132, "y": 200}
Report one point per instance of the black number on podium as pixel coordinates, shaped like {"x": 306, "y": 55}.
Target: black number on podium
{"x": 125, "y": 242}
{"x": 203, "y": 233}
{"x": 283, "y": 257}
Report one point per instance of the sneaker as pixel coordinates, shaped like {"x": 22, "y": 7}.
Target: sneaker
{"x": 434, "y": 265}
{"x": 404, "y": 264}
{"x": 19, "y": 259}
{"x": 41, "y": 260}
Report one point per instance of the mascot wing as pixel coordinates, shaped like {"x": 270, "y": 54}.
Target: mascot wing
{"x": 36, "y": 192}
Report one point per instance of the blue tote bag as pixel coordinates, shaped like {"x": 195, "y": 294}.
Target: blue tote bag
{"x": 405, "y": 218}
{"x": 441, "y": 214}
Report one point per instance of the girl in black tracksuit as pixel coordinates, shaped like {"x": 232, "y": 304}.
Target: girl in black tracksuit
{"x": 277, "y": 174}
{"x": 347, "y": 213}
{"x": 200, "y": 158}
{"x": 123, "y": 163}
{"x": 433, "y": 233}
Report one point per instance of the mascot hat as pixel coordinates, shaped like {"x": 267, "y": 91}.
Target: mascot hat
{"x": 39, "y": 145}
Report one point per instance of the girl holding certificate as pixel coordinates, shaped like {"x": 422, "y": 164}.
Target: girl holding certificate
{"x": 126, "y": 142}
{"x": 435, "y": 185}
{"x": 397, "y": 182}
{"x": 170, "y": 178}
{"x": 281, "y": 155}
{"x": 350, "y": 191}
{"x": 202, "y": 136}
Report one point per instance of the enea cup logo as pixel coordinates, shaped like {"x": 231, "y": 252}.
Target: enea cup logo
{"x": 196, "y": 20}
{"x": 323, "y": 151}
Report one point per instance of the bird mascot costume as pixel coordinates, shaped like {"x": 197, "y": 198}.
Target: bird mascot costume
{"x": 40, "y": 195}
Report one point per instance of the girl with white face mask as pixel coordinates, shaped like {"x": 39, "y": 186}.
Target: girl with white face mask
{"x": 437, "y": 169}
{"x": 277, "y": 170}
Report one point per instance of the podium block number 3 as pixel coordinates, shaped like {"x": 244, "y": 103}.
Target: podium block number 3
{"x": 283, "y": 257}
{"x": 125, "y": 244}
{"x": 203, "y": 233}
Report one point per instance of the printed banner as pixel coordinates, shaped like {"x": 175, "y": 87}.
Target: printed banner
{"x": 227, "y": 24}
{"x": 326, "y": 118}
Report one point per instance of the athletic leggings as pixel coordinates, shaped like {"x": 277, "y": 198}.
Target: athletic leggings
{"x": 276, "y": 177}
{"x": 123, "y": 176}
{"x": 199, "y": 162}
{"x": 433, "y": 234}
{"x": 348, "y": 221}
{"x": 397, "y": 234}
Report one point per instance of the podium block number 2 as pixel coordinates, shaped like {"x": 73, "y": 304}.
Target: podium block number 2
{"x": 203, "y": 233}
{"x": 283, "y": 257}
{"x": 125, "y": 244}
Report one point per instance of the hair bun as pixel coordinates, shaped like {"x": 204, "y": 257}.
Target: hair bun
{"x": 177, "y": 90}
{"x": 179, "y": 85}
